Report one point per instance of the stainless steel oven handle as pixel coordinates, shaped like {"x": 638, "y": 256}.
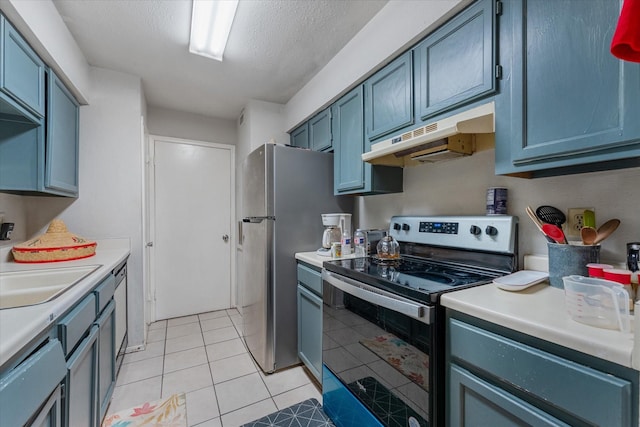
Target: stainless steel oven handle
{"x": 379, "y": 297}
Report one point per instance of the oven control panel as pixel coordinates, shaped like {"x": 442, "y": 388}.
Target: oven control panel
{"x": 438, "y": 227}
{"x": 495, "y": 233}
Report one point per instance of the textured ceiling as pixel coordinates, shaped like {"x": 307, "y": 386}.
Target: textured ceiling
{"x": 274, "y": 49}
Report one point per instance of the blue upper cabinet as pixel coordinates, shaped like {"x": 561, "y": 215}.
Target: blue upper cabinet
{"x": 388, "y": 98}
{"x": 300, "y": 136}
{"x": 42, "y": 158}
{"x": 61, "y": 162}
{"x": 566, "y": 104}
{"x": 21, "y": 71}
{"x": 320, "y": 131}
{"x": 456, "y": 64}
{"x": 351, "y": 174}
{"x": 348, "y": 167}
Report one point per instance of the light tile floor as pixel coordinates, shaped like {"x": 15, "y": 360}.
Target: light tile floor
{"x": 204, "y": 357}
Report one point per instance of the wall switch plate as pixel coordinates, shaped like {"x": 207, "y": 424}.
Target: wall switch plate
{"x": 575, "y": 221}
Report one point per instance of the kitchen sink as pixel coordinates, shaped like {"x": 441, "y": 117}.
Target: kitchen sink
{"x": 22, "y": 288}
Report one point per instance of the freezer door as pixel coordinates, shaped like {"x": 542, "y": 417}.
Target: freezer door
{"x": 257, "y": 291}
{"x": 257, "y": 182}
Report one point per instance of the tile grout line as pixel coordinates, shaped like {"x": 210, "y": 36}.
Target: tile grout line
{"x": 213, "y": 385}
{"x": 164, "y": 353}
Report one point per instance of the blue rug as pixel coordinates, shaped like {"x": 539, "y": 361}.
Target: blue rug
{"x": 305, "y": 414}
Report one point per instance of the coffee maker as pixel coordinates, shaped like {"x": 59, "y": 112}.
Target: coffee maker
{"x": 333, "y": 231}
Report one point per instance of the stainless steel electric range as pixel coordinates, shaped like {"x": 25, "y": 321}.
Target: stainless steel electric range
{"x": 383, "y": 326}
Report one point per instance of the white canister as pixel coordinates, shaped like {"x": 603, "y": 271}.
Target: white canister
{"x": 497, "y": 201}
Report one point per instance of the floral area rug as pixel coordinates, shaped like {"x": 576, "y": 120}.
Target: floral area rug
{"x": 169, "y": 412}
{"x": 404, "y": 357}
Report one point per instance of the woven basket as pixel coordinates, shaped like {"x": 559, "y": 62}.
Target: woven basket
{"x": 57, "y": 244}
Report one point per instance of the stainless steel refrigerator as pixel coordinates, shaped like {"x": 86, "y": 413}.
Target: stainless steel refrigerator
{"x": 284, "y": 191}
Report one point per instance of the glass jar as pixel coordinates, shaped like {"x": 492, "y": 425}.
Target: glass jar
{"x": 388, "y": 248}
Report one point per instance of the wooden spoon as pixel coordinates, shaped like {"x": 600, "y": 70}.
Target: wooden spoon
{"x": 606, "y": 229}
{"x": 589, "y": 235}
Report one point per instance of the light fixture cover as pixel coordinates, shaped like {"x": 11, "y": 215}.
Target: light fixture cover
{"x": 211, "y": 22}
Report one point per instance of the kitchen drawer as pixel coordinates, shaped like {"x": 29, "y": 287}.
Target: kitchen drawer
{"x": 104, "y": 292}
{"x": 545, "y": 377}
{"x": 29, "y": 385}
{"x": 74, "y": 325}
{"x": 310, "y": 278}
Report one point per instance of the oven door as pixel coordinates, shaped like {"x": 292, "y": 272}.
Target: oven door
{"x": 375, "y": 352}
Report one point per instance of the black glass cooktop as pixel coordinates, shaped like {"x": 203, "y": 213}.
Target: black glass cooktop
{"x": 416, "y": 278}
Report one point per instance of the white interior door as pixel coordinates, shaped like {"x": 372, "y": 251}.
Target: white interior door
{"x": 192, "y": 202}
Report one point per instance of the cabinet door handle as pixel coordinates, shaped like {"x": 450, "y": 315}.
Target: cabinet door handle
{"x": 225, "y": 238}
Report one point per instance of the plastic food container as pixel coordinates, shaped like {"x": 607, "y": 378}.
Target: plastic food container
{"x": 596, "y": 270}
{"x": 597, "y": 302}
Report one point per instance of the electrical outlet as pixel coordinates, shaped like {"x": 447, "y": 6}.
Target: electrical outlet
{"x": 575, "y": 221}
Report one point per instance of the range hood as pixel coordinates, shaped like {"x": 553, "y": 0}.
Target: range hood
{"x": 444, "y": 139}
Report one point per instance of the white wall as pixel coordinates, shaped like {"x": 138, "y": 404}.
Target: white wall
{"x": 458, "y": 187}
{"x": 398, "y": 25}
{"x": 179, "y": 124}
{"x": 110, "y": 201}
{"x": 14, "y": 211}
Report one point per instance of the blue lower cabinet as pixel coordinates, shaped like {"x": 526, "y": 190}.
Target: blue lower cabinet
{"x": 474, "y": 402}
{"x": 344, "y": 409}
{"x": 106, "y": 357}
{"x": 310, "y": 330}
{"x": 31, "y": 392}
{"x": 309, "y": 297}
{"x": 566, "y": 104}
{"x": 50, "y": 414}
{"x": 494, "y": 379}
{"x": 81, "y": 384}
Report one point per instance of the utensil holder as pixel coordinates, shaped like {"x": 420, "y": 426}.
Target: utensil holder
{"x": 566, "y": 260}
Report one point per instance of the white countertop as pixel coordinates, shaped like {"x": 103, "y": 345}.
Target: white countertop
{"x": 316, "y": 260}
{"x": 18, "y": 326}
{"x": 539, "y": 311}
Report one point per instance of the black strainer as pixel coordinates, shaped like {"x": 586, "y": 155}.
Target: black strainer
{"x": 551, "y": 215}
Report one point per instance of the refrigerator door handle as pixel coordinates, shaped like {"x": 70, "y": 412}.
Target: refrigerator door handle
{"x": 257, "y": 219}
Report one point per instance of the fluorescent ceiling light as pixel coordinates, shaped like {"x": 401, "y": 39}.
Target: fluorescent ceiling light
{"x": 210, "y": 26}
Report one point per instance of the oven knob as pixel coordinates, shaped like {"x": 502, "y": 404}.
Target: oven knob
{"x": 475, "y": 230}
{"x": 491, "y": 231}
{"x": 405, "y": 227}
{"x": 396, "y": 226}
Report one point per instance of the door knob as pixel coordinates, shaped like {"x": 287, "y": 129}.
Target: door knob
{"x": 225, "y": 238}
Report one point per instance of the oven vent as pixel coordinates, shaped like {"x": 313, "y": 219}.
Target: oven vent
{"x": 441, "y": 140}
